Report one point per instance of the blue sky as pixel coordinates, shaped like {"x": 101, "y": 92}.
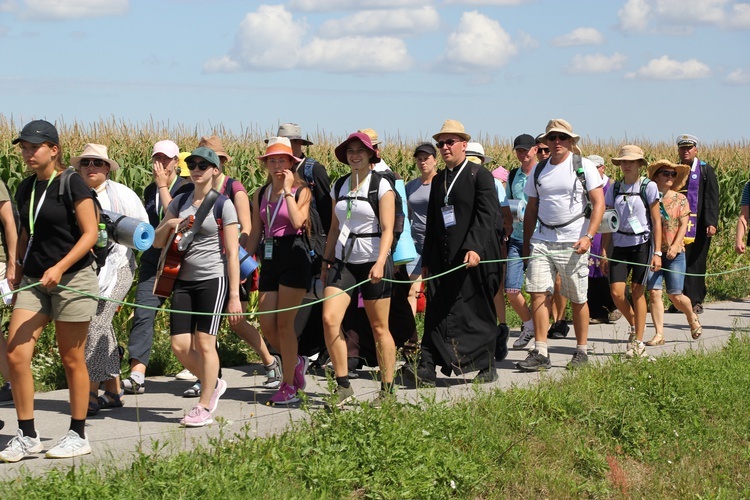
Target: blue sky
{"x": 620, "y": 69}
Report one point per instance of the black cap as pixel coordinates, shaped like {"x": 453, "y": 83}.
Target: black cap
{"x": 524, "y": 141}
{"x": 37, "y": 132}
{"x": 426, "y": 147}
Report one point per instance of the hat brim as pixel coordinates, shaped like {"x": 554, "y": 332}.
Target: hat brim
{"x": 304, "y": 142}
{"x": 76, "y": 161}
{"x": 203, "y": 158}
{"x": 617, "y": 161}
{"x": 33, "y": 139}
{"x": 462, "y": 135}
{"x": 557, "y": 130}
{"x": 682, "y": 172}
{"x": 340, "y": 150}
{"x": 280, "y": 153}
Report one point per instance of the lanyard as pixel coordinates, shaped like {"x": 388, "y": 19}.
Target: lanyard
{"x": 445, "y": 182}
{"x": 352, "y": 195}
{"x": 157, "y": 198}
{"x": 33, "y": 215}
{"x": 270, "y": 219}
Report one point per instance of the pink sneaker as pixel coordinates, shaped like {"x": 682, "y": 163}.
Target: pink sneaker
{"x": 299, "y": 372}
{"x": 221, "y": 388}
{"x": 284, "y": 396}
{"x": 198, "y": 416}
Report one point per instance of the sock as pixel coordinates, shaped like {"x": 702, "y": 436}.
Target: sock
{"x": 343, "y": 381}
{"x": 542, "y": 348}
{"x": 528, "y": 325}
{"x": 387, "y": 388}
{"x": 271, "y": 366}
{"x": 78, "y": 426}
{"x": 138, "y": 377}
{"x": 27, "y": 427}
{"x": 582, "y": 348}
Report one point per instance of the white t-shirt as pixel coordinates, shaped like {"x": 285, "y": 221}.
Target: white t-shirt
{"x": 561, "y": 198}
{"x": 362, "y": 220}
{"x": 629, "y": 204}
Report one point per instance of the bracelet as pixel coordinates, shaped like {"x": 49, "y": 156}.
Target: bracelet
{"x": 288, "y": 194}
{"x": 162, "y": 187}
{"x": 329, "y": 262}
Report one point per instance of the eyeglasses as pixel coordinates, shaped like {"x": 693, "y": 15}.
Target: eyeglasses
{"x": 202, "y": 166}
{"x": 668, "y": 173}
{"x": 543, "y": 150}
{"x": 93, "y": 163}
{"x": 449, "y": 143}
{"x": 558, "y": 137}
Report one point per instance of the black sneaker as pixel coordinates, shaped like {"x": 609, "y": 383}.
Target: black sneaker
{"x": 486, "y": 376}
{"x": 424, "y": 376}
{"x": 6, "y": 396}
{"x": 501, "y": 342}
{"x": 558, "y": 330}
{"x": 534, "y": 362}
{"x": 580, "y": 358}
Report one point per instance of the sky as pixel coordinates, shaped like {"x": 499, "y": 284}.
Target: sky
{"x": 615, "y": 69}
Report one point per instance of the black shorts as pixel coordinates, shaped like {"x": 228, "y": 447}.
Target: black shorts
{"x": 343, "y": 276}
{"x": 209, "y": 296}
{"x": 289, "y": 266}
{"x": 633, "y": 256}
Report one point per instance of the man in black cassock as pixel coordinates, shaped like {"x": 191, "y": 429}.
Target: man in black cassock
{"x": 460, "y": 320}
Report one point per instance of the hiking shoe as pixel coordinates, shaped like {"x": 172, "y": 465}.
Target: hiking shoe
{"x": 343, "y": 395}
{"x": 614, "y": 315}
{"x": 526, "y": 336}
{"x": 580, "y": 358}
{"x": 299, "y": 372}
{"x": 424, "y": 376}
{"x": 534, "y": 362}
{"x": 383, "y": 398}
{"x": 501, "y": 342}
{"x": 132, "y": 387}
{"x": 273, "y": 374}
{"x": 558, "y": 330}
{"x": 71, "y": 445}
{"x": 486, "y": 376}
{"x": 185, "y": 375}
{"x": 21, "y": 446}
{"x": 635, "y": 350}
{"x": 6, "y": 395}
{"x": 284, "y": 396}
{"x": 198, "y": 416}
{"x": 698, "y": 308}
{"x": 221, "y": 388}
{"x": 194, "y": 391}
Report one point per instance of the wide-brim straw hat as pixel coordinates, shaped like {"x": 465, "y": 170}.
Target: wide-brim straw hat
{"x": 561, "y": 126}
{"x": 279, "y": 146}
{"x": 95, "y": 152}
{"x": 630, "y": 152}
{"x": 682, "y": 172}
{"x": 340, "y": 150}
{"x": 453, "y": 127}
{"x": 214, "y": 142}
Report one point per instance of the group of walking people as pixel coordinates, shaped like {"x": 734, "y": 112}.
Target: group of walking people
{"x": 460, "y": 218}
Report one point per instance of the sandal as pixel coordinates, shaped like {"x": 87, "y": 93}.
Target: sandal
{"x": 111, "y": 400}
{"x": 698, "y": 330}
{"x": 657, "y": 340}
{"x": 93, "y": 407}
{"x": 194, "y": 391}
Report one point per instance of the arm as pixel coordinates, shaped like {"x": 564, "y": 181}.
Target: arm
{"x": 11, "y": 237}
{"x": 256, "y": 227}
{"x": 167, "y": 226}
{"x": 603, "y": 262}
{"x": 299, "y": 209}
{"x": 231, "y": 245}
{"x": 656, "y": 234}
{"x": 529, "y": 223}
{"x": 739, "y": 242}
{"x": 330, "y": 252}
{"x": 596, "y": 196}
{"x": 387, "y": 217}
{"x": 711, "y": 201}
{"x": 242, "y": 204}
{"x": 21, "y": 244}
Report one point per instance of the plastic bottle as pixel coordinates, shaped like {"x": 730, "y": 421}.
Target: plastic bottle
{"x": 101, "y": 240}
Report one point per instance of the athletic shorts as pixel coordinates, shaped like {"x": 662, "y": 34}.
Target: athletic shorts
{"x": 60, "y": 304}
{"x": 548, "y": 259}
{"x": 636, "y": 259}
{"x": 207, "y": 296}
{"x": 289, "y": 265}
{"x": 344, "y": 276}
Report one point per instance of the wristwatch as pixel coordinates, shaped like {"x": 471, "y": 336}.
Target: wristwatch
{"x": 587, "y": 235}
{"x": 658, "y": 254}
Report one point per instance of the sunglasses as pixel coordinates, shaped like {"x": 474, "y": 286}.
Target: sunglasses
{"x": 668, "y": 173}
{"x": 93, "y": 163}
{"x": 449, "y": 143}
{"x": 558, "y": 137}
{"x": 543, "y": 150}
{"x": 202, "y": 166}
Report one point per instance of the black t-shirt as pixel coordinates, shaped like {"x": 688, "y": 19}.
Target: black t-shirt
{"x": 55, "y": 228}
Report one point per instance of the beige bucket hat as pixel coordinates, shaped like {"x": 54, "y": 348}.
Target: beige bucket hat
{"x": 453, "y": 127}
{"x": 96, "y": 152}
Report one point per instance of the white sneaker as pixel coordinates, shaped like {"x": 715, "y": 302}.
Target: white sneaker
{"x": 21, "y": 446}
{"x": 526, "y": 336}
{"x": 71, "y": 445}
{"x": 185, "y": 375}
{"x": 635, "y": 350}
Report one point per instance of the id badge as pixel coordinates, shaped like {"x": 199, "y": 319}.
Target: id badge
{"x": 635, "y": 224}
{"x": 344, "y": 235}
{"x": 268, "y": 249}
{"x": 449, "y": 216}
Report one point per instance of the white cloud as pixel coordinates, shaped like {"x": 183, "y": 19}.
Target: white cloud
{"x": 478, "y": 43}
{"x": 691, "y": 11}
{"x": 381, "y": 22}
{"x": 488, "y": 2}
{"x": 580, "y": 36}
{"x": 526, "y": 41}
{"x": 665, "y": 68}
{"x": 331, "y": 5}
{"x": 739, "y": 18}
{"x": 8, "y": 5}
{"x": 73, "y": 9}
{"x": 357, "y": 55}
{"x": 634, "y": 16}
{"x": 738, "y": 77}
{"x": 595, "y": 63}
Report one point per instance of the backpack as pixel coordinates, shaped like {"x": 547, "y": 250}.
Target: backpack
{"x": 372, "y": 199}
{"x": 581, "y": 176}
{"x": 511, "y": 178}
{"x": 644, "y": 181}
{"x": 16, "y": 215}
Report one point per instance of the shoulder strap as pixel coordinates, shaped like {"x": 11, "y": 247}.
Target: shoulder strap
{"x": 511, "y": 178}
{"x": 219, "y": 216}
{"x": 229, "y": 188}
{"x": 372, "y": 193}
{"x": 644, "y": 185}
{"x": 538, "y": 172}
{"x": 339, "y": 184}
{"x": 307, "y": 167}
{"x": 260, "y": 193}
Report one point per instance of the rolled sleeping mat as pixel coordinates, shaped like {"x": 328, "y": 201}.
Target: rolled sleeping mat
{"x": 248, "y": 264}
{"x": 518, "y": 209}
{"x": 610, "y": 222}
{"x": 128, "y": 231}
{"x": 405, "y": 251}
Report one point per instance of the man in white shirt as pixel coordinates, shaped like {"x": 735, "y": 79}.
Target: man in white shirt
{"x": 559, "y": 192}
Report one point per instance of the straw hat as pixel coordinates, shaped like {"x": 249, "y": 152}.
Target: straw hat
{"x": 374, "y": 139}
{"x": 682, "y": 172}
{"x": 356, "y": 136}
{"x": 561, "y": 126}
{"x": 95, "y": 151}
{"x": 630, "y": 152}
{"x": 279, "y": 146}
{"x": 453, "y": 127}
{"x": 213, "y": 142}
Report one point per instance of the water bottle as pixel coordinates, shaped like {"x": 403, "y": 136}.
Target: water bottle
{"x": 101, "y": 240}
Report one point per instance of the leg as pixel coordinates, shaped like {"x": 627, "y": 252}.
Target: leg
{"x": 334, "y": 309}
{"x": 252, "y": 337}
{"x": 640, "y": 309}
{"x": 207, "y": 360}
{"x": 559, "y": 302}
{"x": 142, "y": 330}
{"x": 540, "y": 313}
{"x": 618, "y": 295}
{"x": 377, "y": 312}
{"x": 414, "y": 291}
{"x": 499, "y": 300}
{"x": 657, "y": 315}
{"x": 581, "y": 322}
{"x": 71, "y": 342}
{"x": 286, "y": 336}
{"x": 23, "y": 333}
{"x": 518, "y": 303}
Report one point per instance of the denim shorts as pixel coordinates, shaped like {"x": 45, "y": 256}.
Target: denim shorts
{"x": 675, "y": 280}
{"x": 514, "y": 268}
